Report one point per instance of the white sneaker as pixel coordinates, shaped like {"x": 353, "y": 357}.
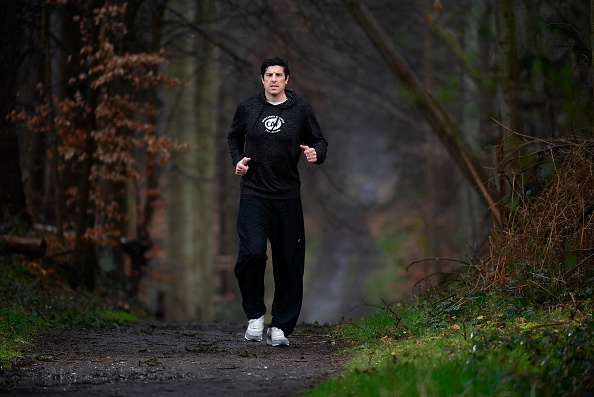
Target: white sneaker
{"x": 254, "y": 329}
{"x": 276, "y": 337}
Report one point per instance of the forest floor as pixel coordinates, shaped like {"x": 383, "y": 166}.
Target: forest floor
{"x": 172, "y": 359}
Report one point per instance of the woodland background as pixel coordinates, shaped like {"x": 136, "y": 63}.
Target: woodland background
{"x": 439, "y": 116}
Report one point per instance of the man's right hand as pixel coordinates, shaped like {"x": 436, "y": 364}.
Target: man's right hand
{"x": 242, "y": 168}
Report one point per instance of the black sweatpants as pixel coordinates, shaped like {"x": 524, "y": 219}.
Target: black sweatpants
{"x": 281, "y": 222}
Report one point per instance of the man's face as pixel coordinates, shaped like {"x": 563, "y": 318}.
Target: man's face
{"x": 274, "y": 80}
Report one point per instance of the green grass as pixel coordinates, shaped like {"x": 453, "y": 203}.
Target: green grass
{"x": 32, "y": 298}
{"x": 117, "y": 316}
{"x": 15, "y": 329}
{"x": 482, "y": 345}
{"x": 444, "y": 378}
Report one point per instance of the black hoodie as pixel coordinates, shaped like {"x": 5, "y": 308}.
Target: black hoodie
{"x": 270, "y": 135}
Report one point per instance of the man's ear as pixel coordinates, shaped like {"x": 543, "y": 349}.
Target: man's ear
{"x": 287, "y": 79}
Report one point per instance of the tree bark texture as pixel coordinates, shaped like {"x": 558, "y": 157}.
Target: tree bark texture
{"x": 190, "y": 190}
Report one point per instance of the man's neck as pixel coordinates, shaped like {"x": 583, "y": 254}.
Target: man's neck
{"x": 281, "y": 97}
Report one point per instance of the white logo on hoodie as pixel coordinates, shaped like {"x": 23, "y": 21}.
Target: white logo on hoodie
{"x": 273, "y": 124}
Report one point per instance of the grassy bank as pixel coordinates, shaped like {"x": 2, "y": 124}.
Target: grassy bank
{"x": 517, "y": 319}
{"x": 481, "y": 345}
{"x": 32, "y": 298}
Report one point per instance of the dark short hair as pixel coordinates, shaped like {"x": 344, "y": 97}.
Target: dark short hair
{"x": 274, "y": 61}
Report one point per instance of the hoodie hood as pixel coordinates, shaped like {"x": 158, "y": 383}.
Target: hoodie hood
{"x": 292, "y": 99}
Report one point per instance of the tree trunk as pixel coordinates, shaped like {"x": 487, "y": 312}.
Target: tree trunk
{"x": 141, "y": 195}
{"x": 34, "y": 155}
{"x": 190, "y": 199}
{"x": 512, "y": 103}
{"x": 227, "y": 203}
{"x": 442, "y": 125}
{"x": 12, "y": 197}
{"x": 49, "y": 98}
{"x": 509, "y": 162}
{"x": 24, "y": 245}
{"x": 434, "y": 162}
{"x": 150, "y": 166}
{"x": 471, "y": 119}
{"x": 67, "y": 65}
{"x": 84, "y": 217}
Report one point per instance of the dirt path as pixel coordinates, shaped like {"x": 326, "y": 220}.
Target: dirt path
{"x": 172, "y": 359}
